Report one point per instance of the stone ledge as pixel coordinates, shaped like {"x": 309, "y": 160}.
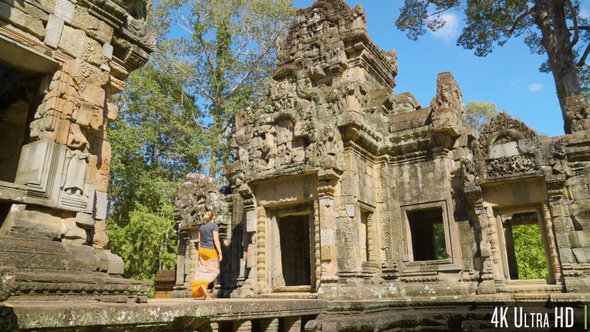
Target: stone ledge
{"x": 156, "y": 314}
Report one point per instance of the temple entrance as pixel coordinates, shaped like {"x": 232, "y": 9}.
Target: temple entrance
{"x": 525, "y": 246}
{"x": 525, "y": 251}
{"x": 295, "y": 249}
{"x": 291, "y": 251}
{"x": 16, "y": 112}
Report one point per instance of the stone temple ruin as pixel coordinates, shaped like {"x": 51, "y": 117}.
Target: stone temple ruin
{"x": 370, "y": 208}
{"x": 60, "y": 61}
{"x": 343, "y": 189}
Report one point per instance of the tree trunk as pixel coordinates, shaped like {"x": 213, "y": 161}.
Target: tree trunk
{"x": 556, "y": 39}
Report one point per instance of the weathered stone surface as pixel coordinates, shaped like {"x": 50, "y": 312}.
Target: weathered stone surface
{"x": 95, "y": 28}
{"x": 370, "y": 173}
{"x": 22, "y": 20}
{"x": 72, "y": 41}
{"x": 7, "y": 279}
{"x": 57, "y": 59}
{"x": 33, "y": 224}
{"x": 55, "y": 26}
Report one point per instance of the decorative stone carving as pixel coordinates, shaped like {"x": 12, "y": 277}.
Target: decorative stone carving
{"x": 67, "y": 56}
{"x": 577, "y": 111}
{"x": 508, "y": 147}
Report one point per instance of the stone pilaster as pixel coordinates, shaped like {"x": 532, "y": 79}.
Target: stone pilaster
{"x": 292, "y": 324}
{"x": 269, "y": 325}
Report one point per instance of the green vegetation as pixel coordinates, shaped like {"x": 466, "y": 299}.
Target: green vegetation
{"x": 479, "y": 113}
{"x": 439, "y": 241}
{"x": 176, "y": 115}
{"x": 530, "y": 252}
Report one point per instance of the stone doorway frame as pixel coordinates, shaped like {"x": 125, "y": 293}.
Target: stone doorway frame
{"x": 38, "y": 66}
{"x": 273, "y": 252}
{"x": 547, "y": 234}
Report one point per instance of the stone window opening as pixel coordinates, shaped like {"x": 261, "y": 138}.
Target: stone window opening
{"x": 427, "y": 234}
{"x": 525, "y": 252}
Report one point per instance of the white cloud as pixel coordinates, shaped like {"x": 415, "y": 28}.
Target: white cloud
{"x": 536, "y": 87}
{"x": 450, "y": 30}
{"x": 585, "y": 11}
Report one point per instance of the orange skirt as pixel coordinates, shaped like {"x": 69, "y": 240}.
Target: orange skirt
{"x": 207, "y": 270}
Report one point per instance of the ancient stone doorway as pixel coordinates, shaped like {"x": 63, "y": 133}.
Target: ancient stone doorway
{"x": 525, "y": 245}
{"x": 295, "y": 249}
{"x": 16, "y": 94}
{"x": 291, "y": 261}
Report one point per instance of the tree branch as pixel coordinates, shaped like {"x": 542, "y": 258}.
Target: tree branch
{"x": 253, "y": 65}
{"x": 517, "y": 21}
{"x": 438, "y": 12}
{"x": 584, "y": 56}
{"x": 575, "y": 20}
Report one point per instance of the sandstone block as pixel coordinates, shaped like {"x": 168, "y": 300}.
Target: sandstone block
{"x": 55, "y": 26}
{"x": 101, "y": 205}
{"x": 47, "y": 3}
{"x": 116, "y": 264}
{"x": 95, "y": 95}
{"x": 113, "y": 112}
{"x": 566, "y": 255}
{"x": 7, "y": 281}
{"x": 71, "y": 233}
{"x": 107, "y": 51}
{"x": 72, "y": 41}
{"x": 84, "y": 220}
{"x": 22, "y": 20}
{"x": 33, "y": 224}
{"x": 94, "y": 27}
{"x": 582, "y": 255}
{"x": 84, "y": 114}
{"x": 65, "y": 10}
{"x": 92, "y": 52}
{"x": 580, "y": 215}
{"x": 100, "y": 238}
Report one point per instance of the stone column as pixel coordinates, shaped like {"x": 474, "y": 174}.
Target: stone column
{"x": 209, "y": 327}
{"x": 292, "y": 324}
{"x": 183, "y": 260}
{"x": 261, "y": 263}
{"x": 327, "y": 218}
{"x": 242, "y": 326}
{"x": 269, "y": 325}
{"x": 475, "y": 199}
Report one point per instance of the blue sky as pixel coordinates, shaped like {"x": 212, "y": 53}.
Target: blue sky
{"x": 509, "y": 77}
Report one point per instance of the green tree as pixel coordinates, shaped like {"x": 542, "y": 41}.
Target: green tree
{"x": 479, "y": 113}
{"x": 225, "y": 51}
{"x": 176, "y": 115}
{"x": 529, "y": 251}
{"x": 155, "y": 142}
{"x": 551, "y": 27}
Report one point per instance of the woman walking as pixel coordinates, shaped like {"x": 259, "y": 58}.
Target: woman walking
{"x": 209, "y": 256}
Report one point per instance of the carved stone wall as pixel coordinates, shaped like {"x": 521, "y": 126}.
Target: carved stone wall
{"x": 401, "y": 201}
{"x": 60, "y": 62}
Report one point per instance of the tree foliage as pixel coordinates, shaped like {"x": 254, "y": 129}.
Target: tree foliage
{"x": 176, "y": 115}
{"x": 224, "y": 51}
{"x": 551, "y": 27}
{"x": 479, "y": 113}
{"x": 155, "y": 142}
{"x": 530, "y": 252}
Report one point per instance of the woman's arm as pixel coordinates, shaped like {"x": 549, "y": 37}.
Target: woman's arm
{"x": 217, "y": 245}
